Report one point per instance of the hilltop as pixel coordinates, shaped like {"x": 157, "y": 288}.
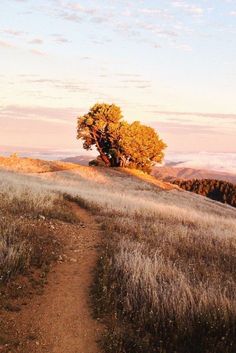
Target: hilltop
{"x": 163, "y": 262}
{"x": 169, "y": 172}
{"x": 30, "y": 165}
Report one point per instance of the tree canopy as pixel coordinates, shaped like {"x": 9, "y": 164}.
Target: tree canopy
{"x": 118, "y": 142}
{"x": 218, "y": 190}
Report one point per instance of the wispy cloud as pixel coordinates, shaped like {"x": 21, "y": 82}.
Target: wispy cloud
{"x": 188, "y": 8}
{"x": 13, "y": 32}
{"x": 69, "y": 85}
{"x": 183, "y": 128}
{"x": 184, "y": 47}
{"x": 36, "y": 41}
{"x": 6, "y": 44}
{"x": 81, "y": 9}
{"x": 58, "y": 38}
{"x": 155, "y": 12}
{"x": 56, "y": 116}
{"x": 197, "y": 114}
{"x": 38, "y": 52}
{"x": 25, "y": 126}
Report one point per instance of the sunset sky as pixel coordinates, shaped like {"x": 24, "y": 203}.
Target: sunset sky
{"x": 170, "y": 64}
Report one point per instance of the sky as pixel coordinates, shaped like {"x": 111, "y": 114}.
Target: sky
{"x": 169, "y": 64}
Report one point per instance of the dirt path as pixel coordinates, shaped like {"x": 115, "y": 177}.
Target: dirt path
{"x": 60, "y": 320}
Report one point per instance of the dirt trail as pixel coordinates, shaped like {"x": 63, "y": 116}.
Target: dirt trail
{"x": 60, "y": 320}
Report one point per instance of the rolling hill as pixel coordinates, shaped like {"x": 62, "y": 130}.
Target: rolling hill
{"x": 163, "y": 263}
{"x": 170, "y": 173}
{"x": 31, "y": 165}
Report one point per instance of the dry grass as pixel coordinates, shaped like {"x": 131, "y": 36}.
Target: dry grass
{"x": 171, "y": 290}
{"x": 25, "y": 207}
{"x": 29, "y": 165}
{"x": 21, "y": 194}
{"x": 166, "y": 278}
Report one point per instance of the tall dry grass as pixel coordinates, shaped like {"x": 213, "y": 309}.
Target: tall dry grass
{"x": 24, "y": 203}
{"x": 166, "y": 280}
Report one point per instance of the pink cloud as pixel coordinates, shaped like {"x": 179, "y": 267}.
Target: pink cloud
{"x": 38, "y": 126}
{"x": 6, "y": 44}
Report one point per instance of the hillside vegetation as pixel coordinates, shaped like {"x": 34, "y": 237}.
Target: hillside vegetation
{"x": 30, "y": 165}
{"x": 218, "y": 190}
{"x": 24, "y": 205}
{"x": 165, "y": 281}
{"x": 166, "y": 278}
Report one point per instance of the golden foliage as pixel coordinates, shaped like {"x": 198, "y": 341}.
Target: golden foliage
{"x": 119, "y": 143}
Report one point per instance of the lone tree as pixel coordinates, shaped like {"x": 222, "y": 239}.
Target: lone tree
{"x": 119, "y": 143}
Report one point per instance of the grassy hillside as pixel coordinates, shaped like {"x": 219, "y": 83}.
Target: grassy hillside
{"x": 29, "y": 165}
{"x": 166, "y": 279}
{"x": 24, "y": 206}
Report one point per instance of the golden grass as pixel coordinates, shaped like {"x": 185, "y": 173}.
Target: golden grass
{"x": 24, "y": 205}
{"x": 30, "y": 165}
{"x": 166, "y": 278}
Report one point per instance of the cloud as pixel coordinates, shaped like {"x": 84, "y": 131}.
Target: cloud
{"x": 123, "y": 17}
{"x": 86, "y": 58}
{"x": 158, "y": 30}
{"x": 76, "y": 13}
{"x": 69, "y": 85}
{"x": 101, "y": 41}
{"x": 224, "y": 162}
{"x": 184, "y": 47}
{"x": 44, "y": 114}
{"x": 8, "y": 45}
{"x": 36, "y": 41}
{"x": 233, "y": 13}
{"x": 110, "y": 16}
{"x": 160, "y": 13}
{"x": 70, "y": 16}
{"x": 13, "y": 32}
{"x": 134, "y": 83}
{"x": 183, "y": 128}
{"x": 127, "y": 75}
{"x": 81, "y": 9}
{"x": 60, "y": 88}
{"x": 197, "y": 114}
{"x": 5, "y": 44}
{"x": 37, "y": 52}
{"x": 137, "y": 81}
{"x": 38, "y": 126}
{"x": 58, "y": 38}
{"x": 188, "y": 8}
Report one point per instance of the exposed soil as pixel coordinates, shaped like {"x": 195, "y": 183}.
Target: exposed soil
{"x": 59, "y": 319}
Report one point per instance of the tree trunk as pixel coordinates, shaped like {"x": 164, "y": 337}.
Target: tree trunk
{"x": 105, "y": 159}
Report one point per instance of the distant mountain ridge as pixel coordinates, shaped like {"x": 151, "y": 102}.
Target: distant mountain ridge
{"x": 82, "y": 160}
{"x": 170, "y": 173}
